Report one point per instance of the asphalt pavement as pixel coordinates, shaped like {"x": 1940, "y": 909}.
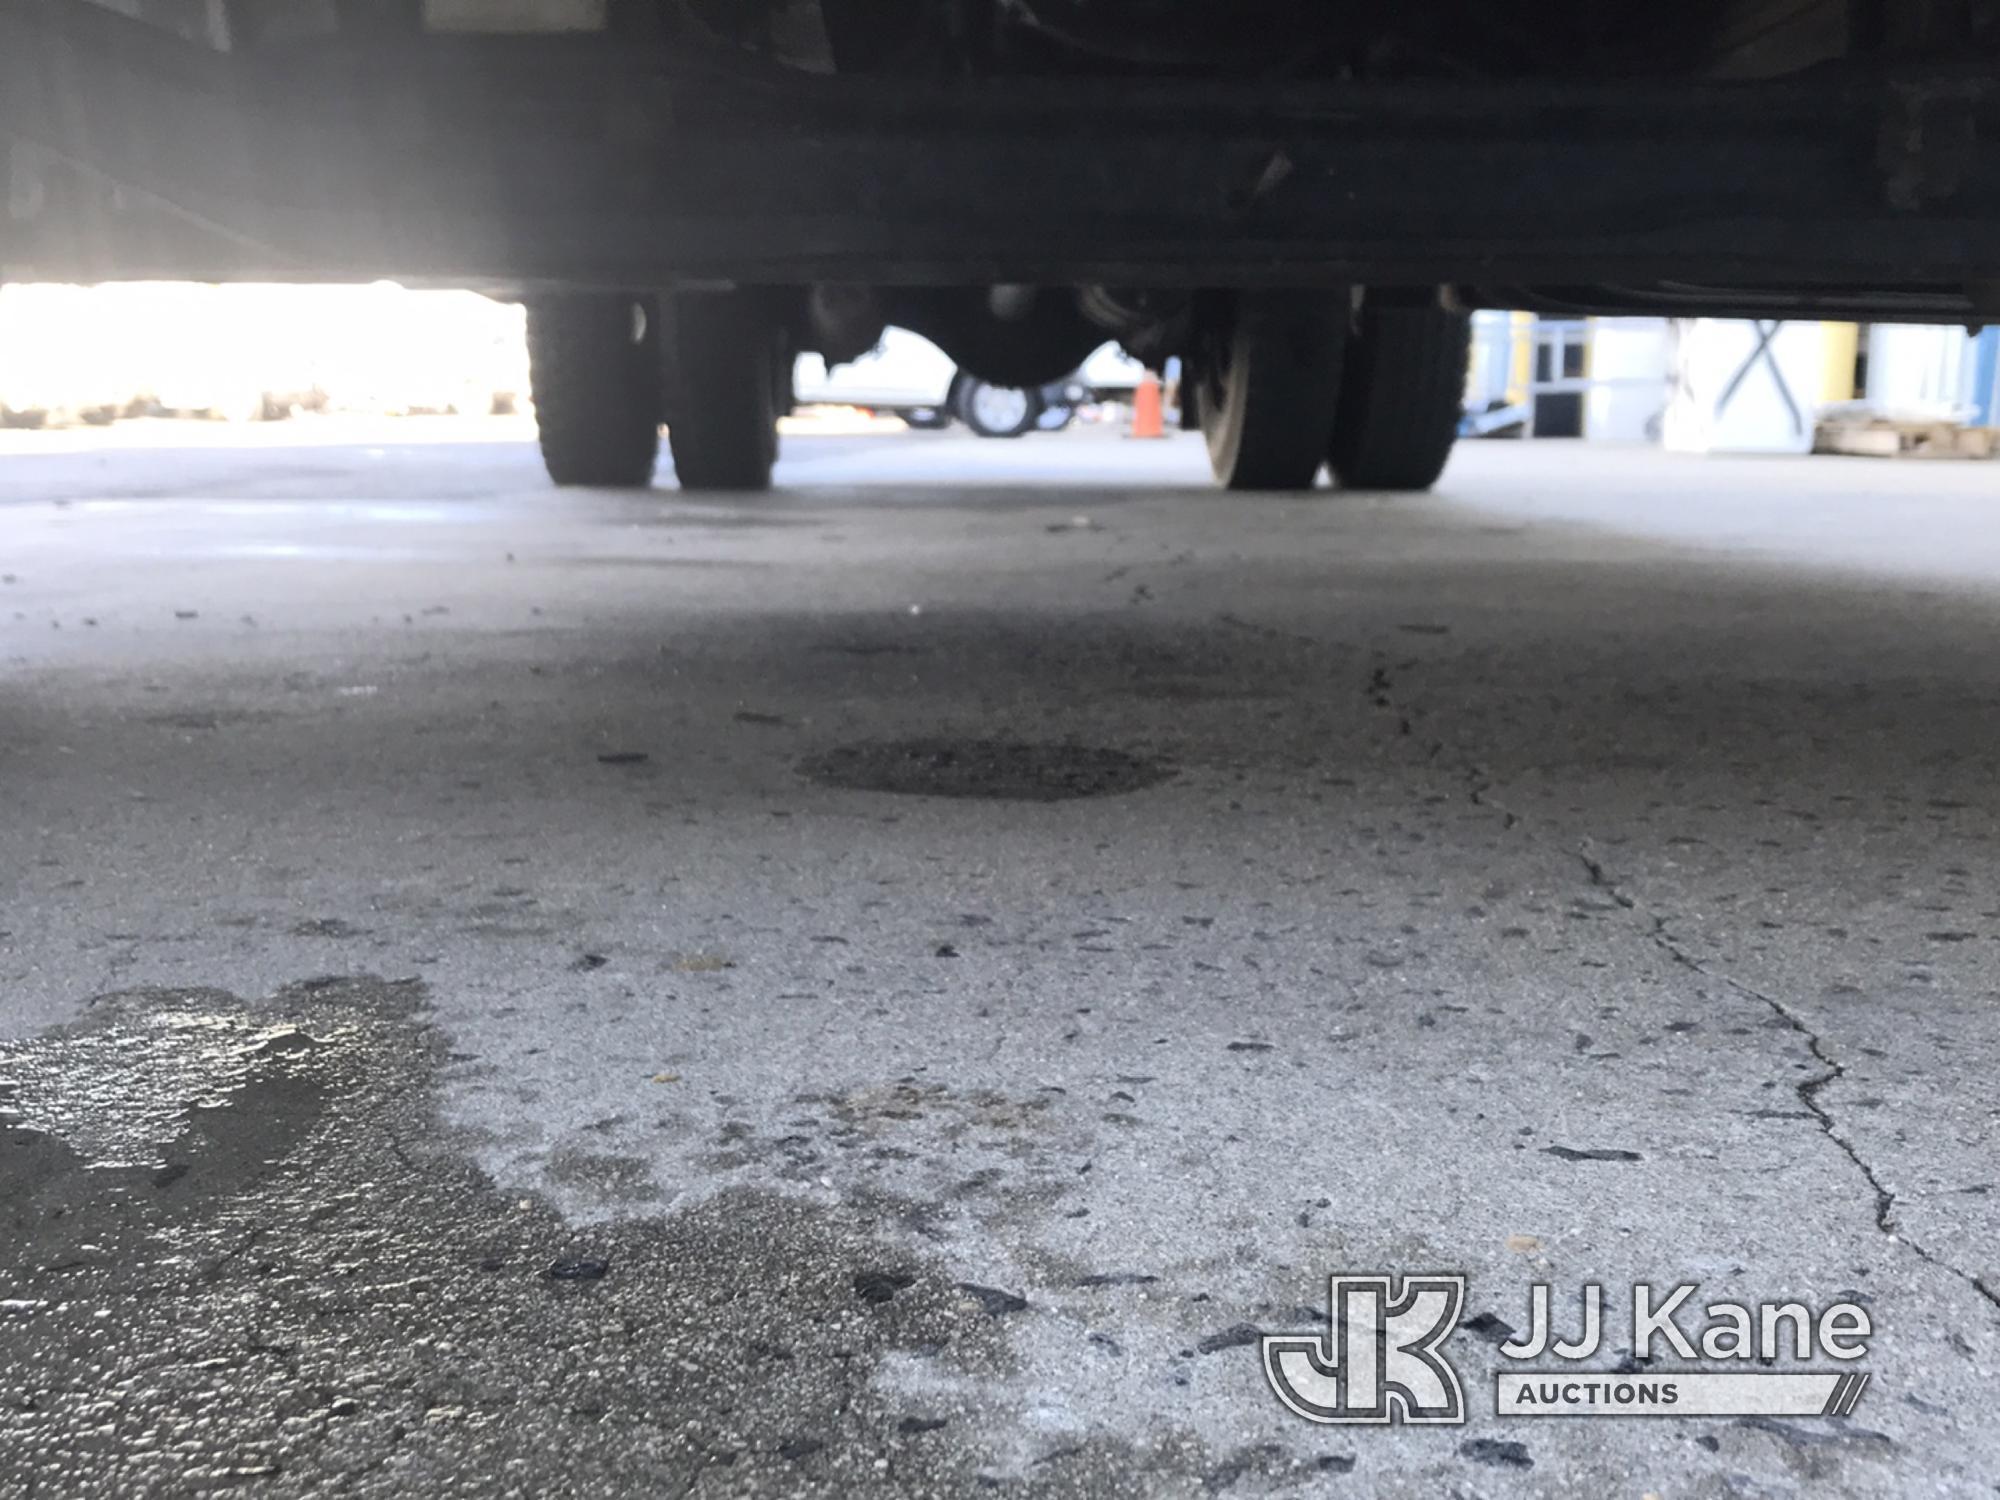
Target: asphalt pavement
{"x": 896, "y": 986}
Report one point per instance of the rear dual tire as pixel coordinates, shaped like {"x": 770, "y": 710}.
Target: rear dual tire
{"x": 729, "y": 383}
{"x": 594, "y": 365}
{"x": 606, "y": 368}
{"x": 1287, "y": 381}
{"x": 1267, "y": 370}
{"x": 1284, "y": 382}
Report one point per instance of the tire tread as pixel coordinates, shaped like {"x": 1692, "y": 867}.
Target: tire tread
{"x": 1287, "y": 356}
{"x": 596, "y": 392}
{"x": 722, "y": 427}
{"x": 1399, "y": 406}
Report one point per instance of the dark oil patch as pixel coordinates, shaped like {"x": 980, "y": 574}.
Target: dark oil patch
{"x": 292, "y": 1283}
{"x": 238, "y": 1253}
{"x": 1003, "y": 770}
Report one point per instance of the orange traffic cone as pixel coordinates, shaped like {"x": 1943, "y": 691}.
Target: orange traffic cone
{"x": 1148, "y": 420}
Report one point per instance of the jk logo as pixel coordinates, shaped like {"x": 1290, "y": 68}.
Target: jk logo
{"x": 1378, "y": 1360}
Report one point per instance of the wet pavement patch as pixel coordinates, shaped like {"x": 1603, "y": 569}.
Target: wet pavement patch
{"x": 1002, "y": 770}
{"x": 237, "y": 1251}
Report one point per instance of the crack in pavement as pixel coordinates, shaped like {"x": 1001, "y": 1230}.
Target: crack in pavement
{"x": 1479, "y": 788}
{"x": 1478, "y": 785}
{"x": 1808, "y": 1090}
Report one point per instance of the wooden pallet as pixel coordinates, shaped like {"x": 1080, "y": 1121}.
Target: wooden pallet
{"x": 1882, "y": 437}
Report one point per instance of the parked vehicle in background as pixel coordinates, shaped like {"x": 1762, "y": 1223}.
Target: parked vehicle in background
{"x": 908, "y": 376}
{"x": 905, "y": 375}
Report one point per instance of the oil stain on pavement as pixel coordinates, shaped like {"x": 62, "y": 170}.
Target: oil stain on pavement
{"x": 237, "y": 1251}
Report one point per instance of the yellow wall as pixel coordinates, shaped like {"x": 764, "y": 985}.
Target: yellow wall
{"x": 1522, "y": 372}
{"x": 1842, "y": 341}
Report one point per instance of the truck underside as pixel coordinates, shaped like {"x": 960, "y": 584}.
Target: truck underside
{"x": 1020, "y": 179}
{"x": 1702, "y": 154}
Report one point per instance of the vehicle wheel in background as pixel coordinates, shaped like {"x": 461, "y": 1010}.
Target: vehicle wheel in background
{"x": 725, "y": 355}
{"x": 1061, "y": 401}
{"x": 1401, "y": 399}
{"x": 996, "y": 411}
{"x": 593, "y": 362}
{"x": 926, "y": 418}
{"x": 1267, "y": 364}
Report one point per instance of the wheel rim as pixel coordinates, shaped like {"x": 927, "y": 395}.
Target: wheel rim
{"x": 1216, "y": 376}
{"x": 997, "y": 407}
